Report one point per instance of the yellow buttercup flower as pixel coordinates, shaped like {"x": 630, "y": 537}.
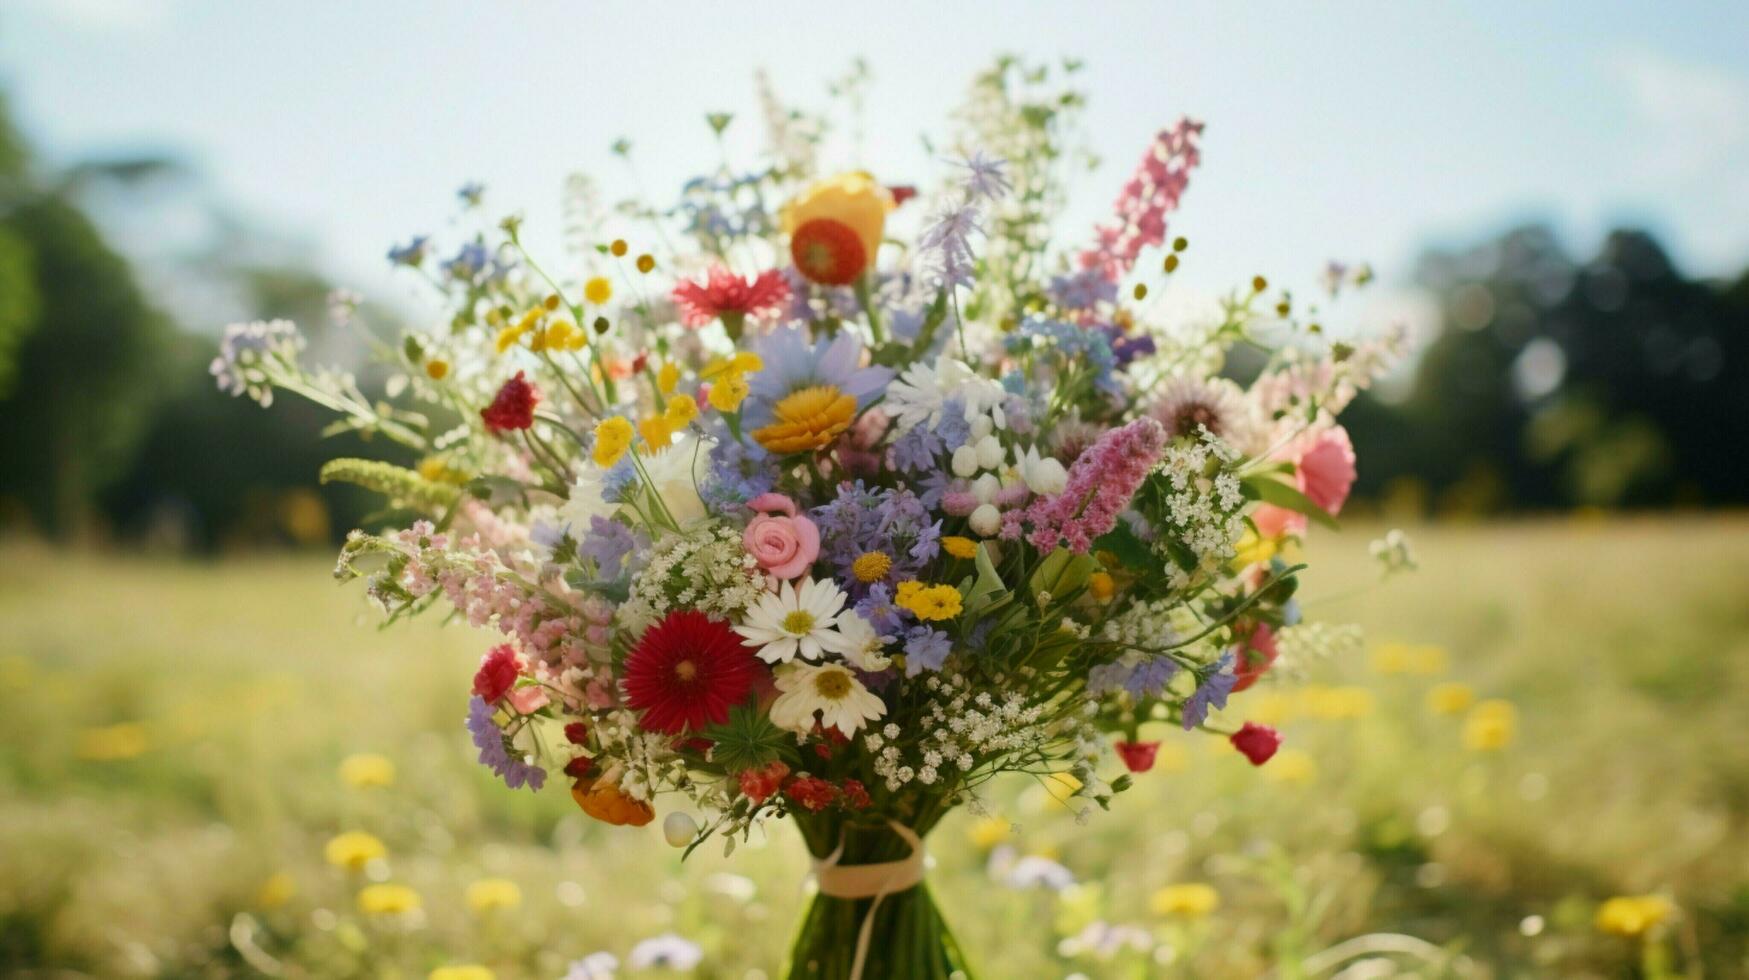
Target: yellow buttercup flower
{"x": 729, "y": 391}
{"x": 807, "y": 419}
{"x": 110, "y": 743}
{"x": 1337, "y": 703}
{"x": 1450, "y": 699}
{"x": 987, "y": 832}
{"x": 1102, "y": 586}
{"x": 464, "y": 971}
{"x": 959, "y": 547}
{"x": 1292, "y": 766}
{"x": 388, "y": 899}
{"x": 744, "y": 362}
{"x": 835, "y": 227}
{"x": 366, "y": 770}
{"x": 1491, "y": 726}
{"x": 1633, "y": 915}
{"x": 491, "y": 894}
{"x": 1194, "y": 900}
{"x": 871, "y": 566}
{"x": 934, "y": 602}
{"x": 598, "y": 290}
{"x": 658, "y": 432}
{"x": 681, "y": 410}
{"x": 560, "y": 334}
{"x": 667, "y": 378}
{"x": 613, "y": 436}
{"x": 508, "y": 337}
{"x": 353, "y": 850}
{"x": 278, "y": 889}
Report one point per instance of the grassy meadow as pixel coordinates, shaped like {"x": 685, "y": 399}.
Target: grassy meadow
{"x": 171, "y": 736}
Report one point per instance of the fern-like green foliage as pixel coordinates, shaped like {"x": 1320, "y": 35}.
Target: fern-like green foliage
{"x": 399, "y": 484}
{"x": 747, "y": 740}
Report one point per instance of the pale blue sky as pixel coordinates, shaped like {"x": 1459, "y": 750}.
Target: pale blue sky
{"x": 1353, "y": 130}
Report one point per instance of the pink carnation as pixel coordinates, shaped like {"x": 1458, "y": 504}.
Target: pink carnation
{"x": 1325, "y": 468}
{"x": 498, "y": 672}
{"x": 782, "y": 541}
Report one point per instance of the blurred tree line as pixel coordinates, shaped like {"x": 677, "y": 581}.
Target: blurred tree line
{"x": 110, "y": 425}
{"x": 1553, "y": 382}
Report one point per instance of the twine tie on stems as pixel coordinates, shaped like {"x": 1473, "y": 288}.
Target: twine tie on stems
{"x": 875, "y": 881}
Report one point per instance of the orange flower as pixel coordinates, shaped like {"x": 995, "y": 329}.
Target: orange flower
{"x": 606, "y": 803}
{"x": 835, "y": 227}
{"x": 807, "y": 419}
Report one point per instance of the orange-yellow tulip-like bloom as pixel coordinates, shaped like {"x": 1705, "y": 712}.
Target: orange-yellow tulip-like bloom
{"x": 835, "y": 227}
{"x": 606, "y": 803}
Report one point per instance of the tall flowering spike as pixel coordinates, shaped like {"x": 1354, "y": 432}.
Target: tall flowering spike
{"x": 513, "y": 406}
{"x": 1141, "y": 207}
{"x": 1101, "y": 483}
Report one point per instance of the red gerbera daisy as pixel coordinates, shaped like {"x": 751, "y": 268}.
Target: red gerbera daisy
{"x": 513, "y": 406}
{"x": 828, "y": 252}
{"x": 724, "y": 294}
{"x": 687, "y": 672}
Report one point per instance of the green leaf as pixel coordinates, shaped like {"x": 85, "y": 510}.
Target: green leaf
{"x": 1062, "y": 572}
{"x": 988, "y": 586}
{"x": 1281, "y": 495}
{"x": 747, "y": 740}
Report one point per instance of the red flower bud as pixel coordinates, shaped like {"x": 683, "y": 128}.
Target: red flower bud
{"x": 577, "y": 733}
{"x": 1137, "y": 756}
{"x": 1258, "y": 742}
{"x": 579, "y": 767}
{"x": 758, "y": 784}
{"x": 512, "y": 407}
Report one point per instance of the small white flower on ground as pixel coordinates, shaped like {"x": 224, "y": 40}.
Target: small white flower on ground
{"x": 595, "y": 966}
{"x": 794, "y": 621}
{"x": 667, "y": 950}
{"x": 830, "y": 689}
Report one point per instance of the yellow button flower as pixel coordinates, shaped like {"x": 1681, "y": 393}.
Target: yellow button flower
{"x": 835, "y": 227}
{"x": 1491, "y": 726}
{"x": 681, "y": 410}
{"x": 366, "y": 770}
{"x": 353, "y": 850}
{"x": 931, "y": 603}
{"x": 1292, "y": 766}
{"x": 279, "y": 888}
{"x": 871, "y": 566}
{"x": 598, "y": 290}
{"x": 1633, "y": 915}
{"x": 491, "y": 894}
{"x": 959, "y": 547}
{"x": 463, "y": 971}
{"x": 729, "y": 391}
{"x": 1450, "y": 699}
{"x": 987, "y": 832}
{"x": 613, "y": 436}
{"x": 1102, "y": 586}
{"x": 658, "y": 432}
{"x": 437, "y": 369}
{"x": 1188, "y": 901}
{"x": 807, "y": 419}
{"x": 388, "y": 899}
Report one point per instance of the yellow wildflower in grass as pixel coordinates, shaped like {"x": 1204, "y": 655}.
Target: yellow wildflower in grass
{"x": 871, "y": 566}
{"x": 1193, "y": 900}
{"x": 491, "y": 894}
{"x": 1292, "y": 766}
{"x": 1102, "y": 586}
{"x": 1061, "y": 786}
{"x": 987, "y": 832}
{"x": 437, "y": 369}
{"x": 1633, "y": 915}
{"x": 388, "y": 899}
{"x": 667, "y": 378}
{"x": 1388, "y": 658}
{"x": 959, "y": 547}
{"x": 1271, "y": 708}
{"x": 462, "y": 971}
{"x": 1337, "y": 703}
{"x": 1450, "y": 698}
{"x": 1402, "y": 658}
{"x": 807, "y": 419}
{"x": 367, "y": 769}
{"x": 613, "y": 436}
{"x": 278, "y": 889}
{"x": 598, "y": 290}
{"x": 111, "y": 743}
{"x": 1428, "y": 660}
{"x": 929, "y": 602}
{"x": 728, "y": 392}
{"x": 353, "y": 850}
{"x": 1490, "y": 726}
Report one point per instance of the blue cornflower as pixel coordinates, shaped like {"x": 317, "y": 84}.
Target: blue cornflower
{"x": 1150, "y": 676}
{"x": 1212, "y": 693}
{"x": 1082, "y": 290}
{"x": 618, "y": 483}
{"x": 607, "y": 544}
{"x": 469, "y": 261}
{"x": 918, "y": 451}
{"x": 877, "y": 607}
{"x": 412, "y": 253}
{"x": 494, "y": 754}
{"x": 925, "y": 649}
{"x": 953, "y": 428}
{"x": 738, "y": 472}
{"x": 471, "y": 193}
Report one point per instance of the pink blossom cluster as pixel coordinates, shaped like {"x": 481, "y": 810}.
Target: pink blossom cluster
{"x": 1101, "y": 483}
{"x": 1142, "y": 205}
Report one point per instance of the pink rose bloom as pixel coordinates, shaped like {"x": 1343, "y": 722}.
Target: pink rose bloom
{"x": 783, "y": 542}
{"x": 1325, "y": 468}
{"x": 527, "y": 700}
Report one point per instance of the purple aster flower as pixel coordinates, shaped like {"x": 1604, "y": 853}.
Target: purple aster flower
{"x": 619, "y": 481}
{"x": 953, "y": 428}
{"x": 925, "y": 649}
{"x": 1082, "y": 290}
{"x": 893, "y": 522}
{"x": 607, "y": 544}
{"x": 877, "y": 607}
{"x": 918, "y": 451}
{"x": 1212, "y": 693}
{"x": 738, "y": 473}
{"x": 791, "y": 364}
{"x": 1150, "y": 676}
{"x": 494, "y": 754}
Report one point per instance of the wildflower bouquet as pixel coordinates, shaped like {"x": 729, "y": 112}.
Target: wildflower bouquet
{"x": 838, "y": 510}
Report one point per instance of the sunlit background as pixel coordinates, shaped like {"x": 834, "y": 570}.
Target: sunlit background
{"x": 1554, "y": 197}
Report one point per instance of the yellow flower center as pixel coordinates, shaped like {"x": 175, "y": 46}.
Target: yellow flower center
{"x": 833, "y": 685}
{"x": 871, "y": 567}
{"x": 798, "y": 622}
{"x": 686, "y": 670}
{"x": 808, "y": 419}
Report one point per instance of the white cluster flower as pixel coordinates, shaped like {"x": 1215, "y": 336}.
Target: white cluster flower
{"x": 1394, "y": 552}
{"x": 963, "y": 727}
{"x": 708, "y": 570}
{"x": 644, "y": 762}
{"x": 1302, "y": 644}
{"x": 250, "y": 352}
{"x": 1202, "y": 512}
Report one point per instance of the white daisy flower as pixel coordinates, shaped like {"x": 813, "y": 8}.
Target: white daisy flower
{"x": 862, "y": 645}
{"x": 830, "y": 689}
{"x": 917, "y": 396}
{"x": 794, "y": 621}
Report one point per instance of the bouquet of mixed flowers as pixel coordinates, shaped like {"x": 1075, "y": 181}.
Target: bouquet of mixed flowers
{"x": 837, "y": 510}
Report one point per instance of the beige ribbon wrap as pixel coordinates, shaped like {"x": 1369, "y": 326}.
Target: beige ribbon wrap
{"x": 875, "y": 881}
